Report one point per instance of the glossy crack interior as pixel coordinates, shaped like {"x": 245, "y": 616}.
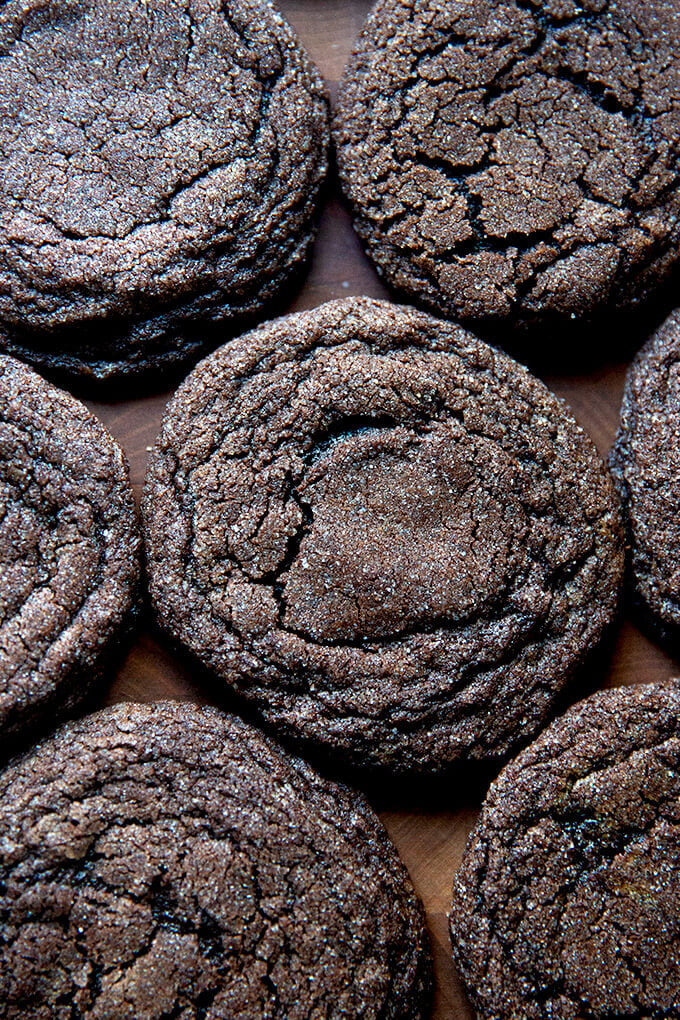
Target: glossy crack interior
{"x": 399, "y": 534}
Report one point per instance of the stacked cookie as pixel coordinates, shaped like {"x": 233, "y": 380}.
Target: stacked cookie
{"x": 379, "y": 537}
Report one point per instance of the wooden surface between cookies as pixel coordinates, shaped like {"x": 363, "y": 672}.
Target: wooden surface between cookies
{"x": 430, "y": 839}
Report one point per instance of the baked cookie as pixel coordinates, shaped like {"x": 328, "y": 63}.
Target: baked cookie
{"x": 160, "y": 167}
{"x": 69, "y": 550}
{"x": 645, "y": 462}
{"x": 388, "y": 536}
{"x": 169, "y": 861}
{"x": 515, "y": 160}
{"x": 566, "y": 903}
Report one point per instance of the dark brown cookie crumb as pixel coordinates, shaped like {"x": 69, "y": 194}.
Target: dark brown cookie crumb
{"x": 388, "y": 536}
{"x": 566, "y": 903}
{"x": 166, "y": 860}
{"x": 69, "y": 550}
{"x": 645, "y": 462}
{"x": 515, "y": 160}
{"x": 160, "y": 167}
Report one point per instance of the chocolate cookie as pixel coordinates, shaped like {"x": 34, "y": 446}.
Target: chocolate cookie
{"x": 516, "y": 159}
{"x": 69, "y": 549}
{"x": 160, "y": 167}
{"x": 389, "y": 537}
{"x": 645, "y": 462}
{"x": 566, "y": 903}
{"x": 169, "y": 861}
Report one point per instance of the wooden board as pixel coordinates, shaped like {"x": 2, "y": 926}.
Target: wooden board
{"x": 431, "y": 838}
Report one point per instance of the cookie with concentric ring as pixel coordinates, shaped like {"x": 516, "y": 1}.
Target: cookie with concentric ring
{"x": 386, "y": 535}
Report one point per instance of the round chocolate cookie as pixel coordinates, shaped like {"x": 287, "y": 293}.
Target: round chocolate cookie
{"x": 388, "y": 536}
{"x": 645, "y": 461}
{"x": 566, "y": 903}
{"x": 167, "y": 860}
{"x": 160, "y": 167}
{"x": 516, "y": 159}
{"x": 69, "y": 549}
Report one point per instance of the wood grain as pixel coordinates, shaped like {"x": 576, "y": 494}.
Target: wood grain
{"x": 430, "y": 838}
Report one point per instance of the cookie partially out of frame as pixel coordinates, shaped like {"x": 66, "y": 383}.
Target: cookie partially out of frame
{"x": 645, "y": 462}
{"x": 160, "y": 167}
{"x": 515, "y": 160}
{"x": 566, "y": 903}
{"x": 167, "y": 860}
{"x": 69, "y": 550}
{"x": 389, "y": 537}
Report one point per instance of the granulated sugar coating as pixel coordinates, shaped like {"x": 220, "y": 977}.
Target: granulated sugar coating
{"x": 566, "y": 904}
{"x": 390, "y": 538}
{"x": 169, "y": 861}
{"x": 160, "y": 167}
{"x": 515, "y": 160}
{"x": 69, "y": 550}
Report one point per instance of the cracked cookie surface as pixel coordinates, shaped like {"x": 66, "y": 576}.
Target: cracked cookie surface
{"x": 160, "y": 164}
{"x": 69, "y": 549}
{"x": 167, "y": 860}
{"x": 515, "y": 160}
{"x": 645, "y": 462}
{"x": 565, "y": 906}
{"x": 388, "y": 536}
